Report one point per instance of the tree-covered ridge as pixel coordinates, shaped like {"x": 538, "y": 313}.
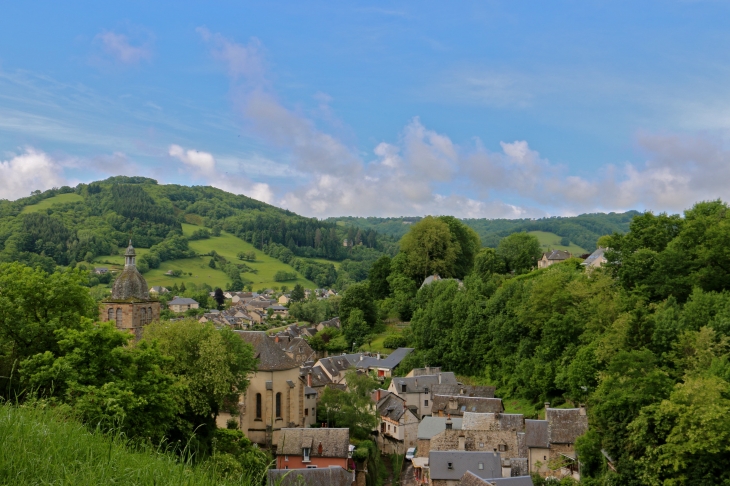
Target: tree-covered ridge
{"x": 109, "y": 212}
{"x": 583, "y": 230}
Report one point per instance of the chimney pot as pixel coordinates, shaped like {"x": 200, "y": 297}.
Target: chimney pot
{"x": 377, "y": 395}
{"x": 582, "y": 409}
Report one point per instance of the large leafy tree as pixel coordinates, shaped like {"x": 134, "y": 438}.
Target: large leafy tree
{"x": 520, "y": 251}
{"x": 466, "y": 242}
{"x": 378, "y": 277}
{"x": 430, "y": 249}
{"x": 357, "y": 296}
{"x": 33, "y": 306}
{"x": 211, "y": 366}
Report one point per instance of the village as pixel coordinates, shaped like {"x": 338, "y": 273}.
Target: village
{"x": 448, "y": 432}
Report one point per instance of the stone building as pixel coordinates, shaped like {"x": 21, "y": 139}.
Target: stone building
{"x": 130, "y": 305}
{"x": 277, "y": 396}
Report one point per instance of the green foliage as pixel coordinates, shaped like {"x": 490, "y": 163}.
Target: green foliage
{"x": 430, "y": 249}
{"x": 33, "y": 307}
{"x": 378, "y": 278}
{"x": 357, "y": 296}
{"x": 329, "y": 339}
{"x": 282, "y": 276}
{"x": 106, "y": 382}
{"x": 393, "y": 341}
{"x": 297, "y": 294}
{"x": 353, "y": 408}
{"x": 201, "y": 234}
{"x": 520, "y": 252}
{"x": 356, "y": 329}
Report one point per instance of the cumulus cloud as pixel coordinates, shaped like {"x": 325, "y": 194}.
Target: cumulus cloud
{"x": 203, "y": 165}
{"x": 425, "y": 172}
{"x": 31, "y": 170}
{"x": 119, "y": 48}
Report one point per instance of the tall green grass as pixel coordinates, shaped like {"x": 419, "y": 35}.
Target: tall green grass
{"x": 42, "y": 446}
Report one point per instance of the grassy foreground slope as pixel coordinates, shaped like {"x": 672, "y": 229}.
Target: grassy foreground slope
{"x": 40, "y": 447}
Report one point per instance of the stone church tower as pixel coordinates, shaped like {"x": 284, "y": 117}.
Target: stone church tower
{"x": 130, "y": 306}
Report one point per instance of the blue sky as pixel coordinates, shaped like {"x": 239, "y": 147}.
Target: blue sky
{"x": 477, "y": 109}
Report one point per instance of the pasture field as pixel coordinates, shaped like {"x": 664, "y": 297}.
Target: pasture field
{"x": 47, "y": 203}
{"x": 552, "y": 241}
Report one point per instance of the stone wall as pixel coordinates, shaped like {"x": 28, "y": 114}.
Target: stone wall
{"x": 477, "y": 440}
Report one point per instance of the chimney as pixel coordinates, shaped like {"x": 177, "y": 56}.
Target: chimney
{"x": 462, "y": 442}
{"x": 449, "y": 424}
{"x": 582, "y": 409}
{"x": 547, "y": 405}
{"x": 506, "y": 468}
{"x": 377, "y": 395}
{"x": 378, "y": 354}
{"x": 416, "y": 382}
{"x": 309, "y": 378}
{"x": 439, "y": 378}
{"x": 276, "y": 339}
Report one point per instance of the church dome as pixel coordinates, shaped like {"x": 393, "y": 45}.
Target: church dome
{"x": 130, "y": 284}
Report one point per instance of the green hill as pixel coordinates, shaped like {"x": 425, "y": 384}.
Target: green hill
{"x": 92, "y": 224}
{"x": 551, "y": 241}
{"x": 583, "y": 231}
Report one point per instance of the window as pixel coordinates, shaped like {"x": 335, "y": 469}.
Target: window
{"x": 119, "y": 317}
{"x": 382, "y": 427}
{"x": 278, "y": 405}
{"x": 305, "y": 454}
{"x": 311, "y": 467}
{"x": 149, "y": 315}
{"x": 425, "y": 403}
{"x": 111, "y": 315}
{"x": 425, "y": 390}
{"x": 481, "y": 465}
{"x": 502, "y": 447}
{"x": 395, "y": 429}
{"x": 481, "y": 444}
{"x": 258, "y": 406}
{"x": 544, "y": 458}
{"x": 286, "y": 458}
{"x": 388, "y": 426}
{"x": 306, "y": 412}
{"x": 143, "y": 317}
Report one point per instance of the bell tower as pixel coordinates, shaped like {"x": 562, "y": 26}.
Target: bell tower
{"x": 130, "y": 306}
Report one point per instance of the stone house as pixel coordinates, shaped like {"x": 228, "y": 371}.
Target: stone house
{"x": 456, "y": 406}
{"x": 275, "y": 398}
{"x": 430, "y": 427}
{"x": 181, "y": 304}
{"x": 446, "y": 468}
{"x": 398, "y": 428}
{"x": 417, "y": 390}
{"x": 552, "y": 257}
{"x": 551, "y": 442}
{"x": 471, "y": 479}
{"x": 302, "y": 448}
{"x": 284, "y": 299}
{"x": 596, "y": 259}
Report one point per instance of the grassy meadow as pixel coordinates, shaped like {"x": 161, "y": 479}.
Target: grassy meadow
{"x": 47, "y": 203}
{"x": 552, "y": 241}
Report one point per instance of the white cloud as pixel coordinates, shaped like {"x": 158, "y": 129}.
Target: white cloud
{"x": 204, "y": 166}
{"x": 118, "y": 47}
{"x": 31, "y": 170}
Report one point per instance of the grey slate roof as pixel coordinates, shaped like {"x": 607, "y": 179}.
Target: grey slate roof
{"x": 321, "y": 476}
{"x": 269, "y": 355}
{"x": 596, "y": 255}
{"x": 392, "y": 407}
{"x": 335, "y": 441}
{"x": 491, "y": 421}
{"x": 536, "y": 433}
{"x": 419, "y": 384}
{"x": 471, "y": 479}
{"x": 558, "y": 255}
{"x": 465, "y": 404}
{"x": 182, "y": 301}
{"x": 389, "y": 362}
{"x": 566, "y": 424}
{"x": 463, "y": 461}
{"x": 431, "y": 426}
{"x": 446, "y": 388}
{"x": 319, "y": 377}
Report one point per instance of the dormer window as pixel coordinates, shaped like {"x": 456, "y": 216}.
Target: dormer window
{"x": 305, "y": 454}
{"x": 451, "y": 465}
{"x": 402, "y": 387}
